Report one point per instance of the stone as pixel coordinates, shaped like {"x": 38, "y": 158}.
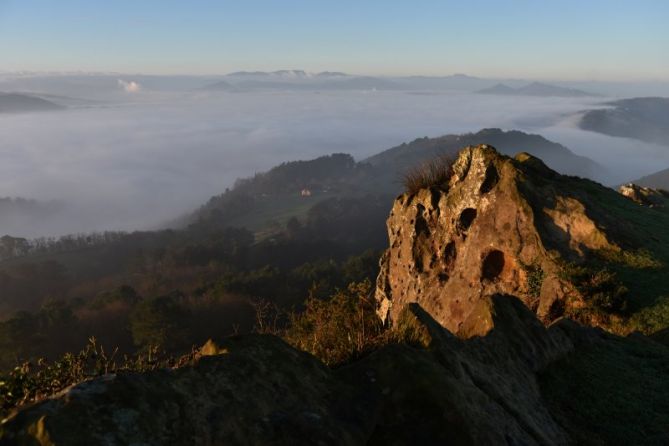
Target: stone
{"x": 501, "y": 225}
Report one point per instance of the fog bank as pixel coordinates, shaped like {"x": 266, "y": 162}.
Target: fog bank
{"x": 137, "y": 163}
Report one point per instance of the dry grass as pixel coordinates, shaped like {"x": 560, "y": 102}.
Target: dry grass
{"x": 434, "y": 172}
{"x": 340, "y": 329}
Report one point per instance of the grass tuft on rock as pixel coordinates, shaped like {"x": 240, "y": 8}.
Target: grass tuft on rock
{"x": 434, "y": 172}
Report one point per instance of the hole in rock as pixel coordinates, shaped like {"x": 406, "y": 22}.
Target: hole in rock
{"x": 493, "y": 264}
{"x": 490, "y": 180}
{"x": 466, "y": 219}
{"x": 449, "y": 255}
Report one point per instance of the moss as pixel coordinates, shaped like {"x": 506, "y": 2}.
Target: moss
{"x": 535, "y": 279}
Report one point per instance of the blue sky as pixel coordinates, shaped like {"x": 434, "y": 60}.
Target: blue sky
{"x": 543, "y": 39}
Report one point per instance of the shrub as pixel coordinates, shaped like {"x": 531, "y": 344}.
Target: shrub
{"x": 601, "y": 289}
{"x": 339, "y": 329}
{"x": 535, "y": 279}
{"x": 434, "y": 172}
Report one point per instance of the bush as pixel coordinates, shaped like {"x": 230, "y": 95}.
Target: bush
{"x": 434, "y": 172}
{"x": 339, "y": 329}
{"x": 601, "y": 289}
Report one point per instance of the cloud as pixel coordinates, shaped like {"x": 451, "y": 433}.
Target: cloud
{"x": 129, "y": 86}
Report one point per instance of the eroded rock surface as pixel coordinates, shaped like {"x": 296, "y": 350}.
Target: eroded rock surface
{"x": 501, "y": 225}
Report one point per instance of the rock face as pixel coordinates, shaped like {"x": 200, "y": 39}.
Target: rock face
{"x": 259, "y": 390}
{"x": 501, "y": 225}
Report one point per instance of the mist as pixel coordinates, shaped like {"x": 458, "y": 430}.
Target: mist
{"x": 141, "y": 158}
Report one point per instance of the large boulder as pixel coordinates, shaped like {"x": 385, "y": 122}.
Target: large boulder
{"x": 500, "y": 225}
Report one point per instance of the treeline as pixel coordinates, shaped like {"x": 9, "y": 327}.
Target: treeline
{"x": 11, "y": 247}
{"x": 178, "y": 288}
{"x": 212, "y": 301}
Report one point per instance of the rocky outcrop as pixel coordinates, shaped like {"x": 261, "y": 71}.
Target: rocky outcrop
{"x": 643, "y": 195}
{"x": 259, "y": 390}
{"x": 501, "y": 225}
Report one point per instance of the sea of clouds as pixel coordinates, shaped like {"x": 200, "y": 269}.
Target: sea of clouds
{"x": 142, "y": 158}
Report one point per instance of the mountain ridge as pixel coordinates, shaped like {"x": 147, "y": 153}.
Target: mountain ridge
{"x": 536, "y": 89}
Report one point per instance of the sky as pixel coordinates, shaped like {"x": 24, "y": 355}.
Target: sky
{"x": 541, "y": 39}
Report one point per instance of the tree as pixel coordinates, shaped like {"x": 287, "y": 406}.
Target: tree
{"x": 159, "y": 322}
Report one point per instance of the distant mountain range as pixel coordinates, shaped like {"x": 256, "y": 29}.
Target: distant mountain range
{"x": 299, "y": 80}
{"x": 329, "y": 80}
{"x": 336, "y": 80}
{"x": 535, "y": 89}
{"x": 22, "y": 103}
{"x": 104, "y": 86}
{"x": 645, "y": 119}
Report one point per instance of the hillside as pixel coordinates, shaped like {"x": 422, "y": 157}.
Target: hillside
{"x": 22, "y": 103}
{"x": 276, "y": 194}
{"x": 645, "y": 119}
{"x": 482, "y": 278}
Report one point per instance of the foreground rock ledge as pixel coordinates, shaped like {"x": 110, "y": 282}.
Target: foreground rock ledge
{"x": 437, "y": 390}
{"x": 262, "y": 391}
